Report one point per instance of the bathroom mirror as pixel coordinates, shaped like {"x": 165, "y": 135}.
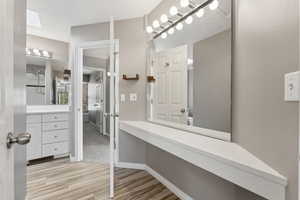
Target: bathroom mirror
{"x": 189, "y": 73}
{"x": 47, "y": 81}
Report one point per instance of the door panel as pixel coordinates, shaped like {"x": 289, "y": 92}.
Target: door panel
{"x": 20, "y": 97}
{"x": 12, "y": 98}
{"x": 170, "y": 89}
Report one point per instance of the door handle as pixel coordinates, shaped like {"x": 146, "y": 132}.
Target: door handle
{"x": 182, "y": 110}
{"x": 22, "y": 139}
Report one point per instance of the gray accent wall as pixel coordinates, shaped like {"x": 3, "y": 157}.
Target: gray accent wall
{"x": 266, "y": 46}
{"x": 212, "y": 82}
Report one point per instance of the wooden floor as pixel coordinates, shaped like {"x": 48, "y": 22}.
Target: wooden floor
{"x": 63, "y": 180}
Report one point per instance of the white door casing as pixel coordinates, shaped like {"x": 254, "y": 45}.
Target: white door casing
{"x": 170, "y": 88}
{"x": 12, "y": 98}
{"x": 114, "y": 103}
{"x": 6, "y": 94}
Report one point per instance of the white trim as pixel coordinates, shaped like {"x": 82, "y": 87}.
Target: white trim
{"x": 77, "y": 81}
{"x": 47, "y": 109}
{"x": 173, "y": 188}
{"x": 129, "y": 165}
{"x": 224, "y": 159}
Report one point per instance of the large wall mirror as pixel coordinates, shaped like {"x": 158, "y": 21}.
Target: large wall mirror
{"x": 47, "y": 80}
{"x": 189, "y": 71}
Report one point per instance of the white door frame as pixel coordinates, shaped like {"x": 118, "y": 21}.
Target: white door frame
{"x": 114, "y": 100}
{"x": 104, "y": 94}
{"x": 77, "y": 82}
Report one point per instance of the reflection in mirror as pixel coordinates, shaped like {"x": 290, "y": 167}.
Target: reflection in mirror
{"x": 47, "y": 81}
{"x": 191, "y": 68}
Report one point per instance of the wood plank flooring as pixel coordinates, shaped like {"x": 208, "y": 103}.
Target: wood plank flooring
{"x": 63, "y": 180}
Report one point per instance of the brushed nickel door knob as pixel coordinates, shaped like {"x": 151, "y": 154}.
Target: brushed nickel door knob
{"x": 21, "y": 139}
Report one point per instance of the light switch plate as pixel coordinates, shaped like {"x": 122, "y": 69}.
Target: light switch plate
{"x": 123, "y": 98}
{"x": 133, "y": 97}
{"x": 292, "y": 86}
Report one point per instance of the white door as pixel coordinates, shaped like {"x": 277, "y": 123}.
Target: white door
{"x": 170, "y": 88}
{"x": 12, "y": 99}
{"x": 114, "y": 101}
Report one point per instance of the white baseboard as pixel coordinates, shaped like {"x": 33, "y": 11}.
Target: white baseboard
{"x": 156, "y": 175}
{"x": 73, "y": 159}
{"x": 131, "y": 165}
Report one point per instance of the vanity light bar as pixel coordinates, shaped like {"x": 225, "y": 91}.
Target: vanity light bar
{"x": 38, "y": 53}
{"x": 194, "y": 9}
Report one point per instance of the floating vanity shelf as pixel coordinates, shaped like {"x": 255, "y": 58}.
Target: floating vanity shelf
{"x": 151, "y": 79}
{"x": 137, "y": 77}
{"x": 224, "y": 159}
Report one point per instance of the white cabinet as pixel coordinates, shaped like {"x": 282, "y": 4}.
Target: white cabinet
{"x": 50, "y": 135}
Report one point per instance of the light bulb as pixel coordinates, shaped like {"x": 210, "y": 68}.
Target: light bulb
{"x": 28, "y": 52}
{"x": 46, "y": 54}
{"x": 37, "y": 52}
{"x": 173, "y": 11}
{"x": 179, "y": 26}
{"x": 190, "y": 61}
{"x": 164, "y": 18}
{"x": 149, "y": 29}
{"x": 156, "y": 24}
{"x": 171, "y": 31}
{"x": 200, "y": 13}
{"x": 164, "y": 35}
{"x": 214, "y": 5}
{"x": 189, "y": 20}
{"x": 184, "y": 3}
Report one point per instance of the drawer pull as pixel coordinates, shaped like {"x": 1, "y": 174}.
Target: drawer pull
{"x": 55, "y": 126}
{"x": 55, "y": 136}
{"x": 55, "y": 149}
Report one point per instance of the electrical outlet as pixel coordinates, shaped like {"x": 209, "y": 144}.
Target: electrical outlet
{"x": 292, "y": 86}
{"x": 133, "y": 97}
{"x": 123, "y": 98}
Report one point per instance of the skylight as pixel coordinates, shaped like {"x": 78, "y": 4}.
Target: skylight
{"x": 33, "y": 19}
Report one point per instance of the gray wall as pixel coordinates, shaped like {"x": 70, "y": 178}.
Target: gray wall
{"x": 212, "y": 82}
{"x": 132, "y": 149}
{"x": 266, "y": 47}
{"x": 133, "y": 46}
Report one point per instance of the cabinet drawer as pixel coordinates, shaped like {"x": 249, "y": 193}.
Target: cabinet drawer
{"x": 34, "y": 148}
{"x": 55, "y": 136}
{"x": 55, "y": 126}
{"x": 34, "y": 119}
{"x": 55, "y": 117}
{"x": 55, "y": 149}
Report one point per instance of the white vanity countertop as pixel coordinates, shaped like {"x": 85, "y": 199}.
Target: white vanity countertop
{"x": 225, "y": 159}
{"x": 47, "y": 109}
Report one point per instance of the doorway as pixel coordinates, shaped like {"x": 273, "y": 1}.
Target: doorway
{"x": 95, "y": 102}
{"x": 103, "y": 118}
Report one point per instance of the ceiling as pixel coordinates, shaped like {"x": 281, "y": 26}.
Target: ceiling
{"x": 57, "y": 16}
